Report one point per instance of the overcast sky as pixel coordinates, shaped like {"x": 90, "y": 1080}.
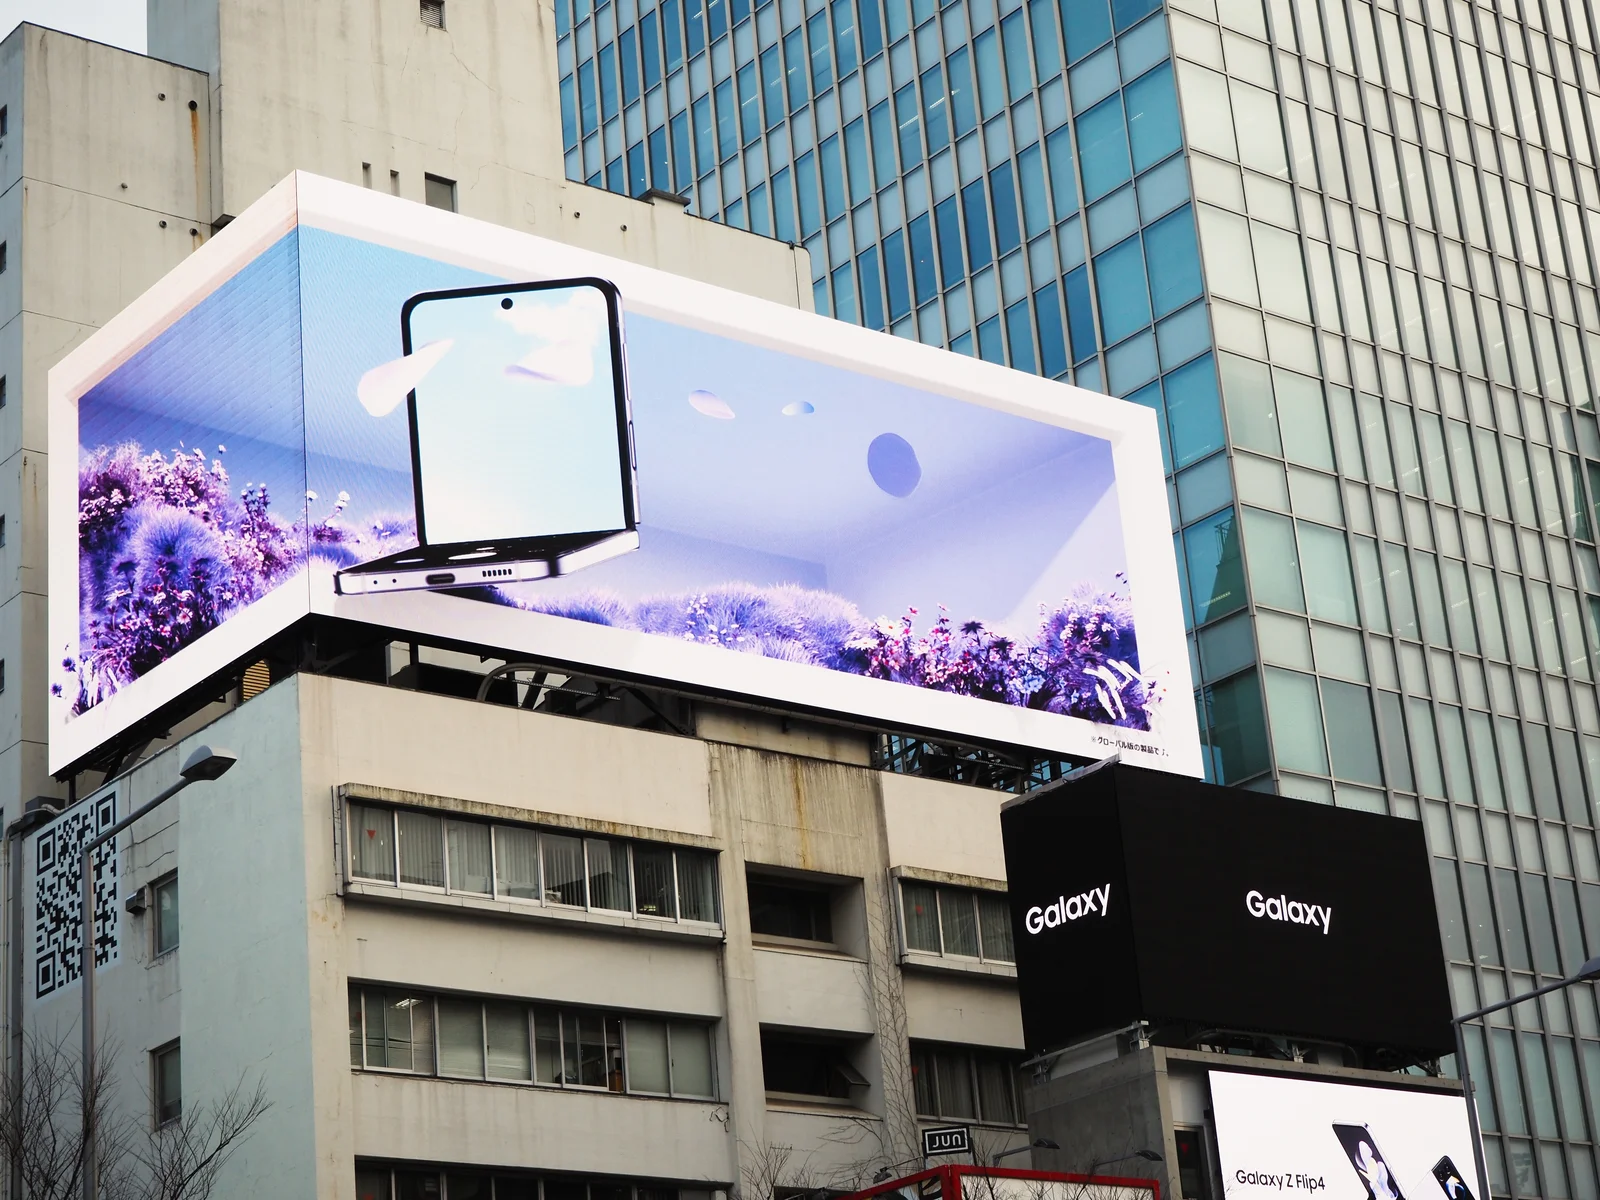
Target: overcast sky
{"x": 119, "y": 22}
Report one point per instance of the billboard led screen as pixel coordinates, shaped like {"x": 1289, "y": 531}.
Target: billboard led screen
{"x": 1141, "y": 895}
{"x": 352, "y": 405}
{"x": 1280, "y": 1137}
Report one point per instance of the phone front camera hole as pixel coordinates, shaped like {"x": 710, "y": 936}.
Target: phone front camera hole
{"x": 506, "y": 303}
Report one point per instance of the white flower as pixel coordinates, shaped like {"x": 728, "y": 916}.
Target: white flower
{"x": 310, "y": 495}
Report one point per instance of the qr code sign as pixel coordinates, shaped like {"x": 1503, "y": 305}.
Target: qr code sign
{"x": 58, "y": 883}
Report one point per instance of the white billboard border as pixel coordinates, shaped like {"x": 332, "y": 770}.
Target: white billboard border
{"x": 326, "y": 204}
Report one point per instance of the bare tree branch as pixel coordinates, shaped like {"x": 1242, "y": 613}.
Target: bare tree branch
{"x": 41, "y": 1132}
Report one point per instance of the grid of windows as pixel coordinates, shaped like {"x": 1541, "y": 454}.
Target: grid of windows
{"x": 966, "y": 1083}
{"x": 508, "y": 1041}
{"x": 956, "y": 922}
{"x": 1000, "y": 179}
{"x": 416, "y": 849}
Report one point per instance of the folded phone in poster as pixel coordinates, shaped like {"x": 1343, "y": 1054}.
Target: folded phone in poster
{"x": 350, "y": 405}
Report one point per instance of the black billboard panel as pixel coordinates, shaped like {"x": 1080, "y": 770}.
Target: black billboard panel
{"x": 1138, "y": 895}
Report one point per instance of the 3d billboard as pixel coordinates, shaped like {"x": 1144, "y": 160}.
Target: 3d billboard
{"x": 351, "y": 405}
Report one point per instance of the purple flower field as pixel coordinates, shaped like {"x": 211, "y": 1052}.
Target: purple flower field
{"x": 1082, "y": 661}
{"x": 168, "y": 551}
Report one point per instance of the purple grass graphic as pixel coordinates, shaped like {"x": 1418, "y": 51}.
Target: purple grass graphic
{"x": 168, "y": 551}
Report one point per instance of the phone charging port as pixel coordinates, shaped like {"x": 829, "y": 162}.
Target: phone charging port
{"x": 441, "y": 577}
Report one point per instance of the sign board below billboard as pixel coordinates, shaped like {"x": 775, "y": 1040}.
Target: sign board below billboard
{"x": 1282, "y": 1138}
{"x": 352, "y": 405}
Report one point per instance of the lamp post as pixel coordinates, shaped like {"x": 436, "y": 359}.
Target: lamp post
{"x": 204, "y": 764}
{"x": 1036, "y": 1144}
{"x": 1586, "y": 973}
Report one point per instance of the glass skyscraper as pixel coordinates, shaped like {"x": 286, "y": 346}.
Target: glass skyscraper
{"x": 1342, "y": 248}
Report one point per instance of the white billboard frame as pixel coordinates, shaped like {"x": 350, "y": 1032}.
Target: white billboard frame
{"x": 1130, "y": 429}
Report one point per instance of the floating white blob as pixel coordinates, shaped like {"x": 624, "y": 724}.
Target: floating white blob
{"x": 385, "y": 387}
{"x": 799, "y": 408}
{"x": 709, "y": 404}
{"x": 570, "y": 364}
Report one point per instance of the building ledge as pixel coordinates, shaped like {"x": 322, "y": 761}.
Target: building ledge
{"x": 916, "y": 960}
{"x": 577, "y": 920}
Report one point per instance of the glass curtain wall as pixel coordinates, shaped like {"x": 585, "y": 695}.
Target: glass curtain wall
{"x": 1343, "y": 249}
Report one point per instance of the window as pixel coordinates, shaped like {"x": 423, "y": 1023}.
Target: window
{"x": 5, "y": 123}
{"x": 164, "y": 898}
{"x": 414, "y": 1181}
{"x": 956, "y": 922}
{"x": 1194, "y": 1177}
{"x": 436, "y": 852}
{"x": 438, "y": 191}
{"x": 2, "y": 531}
{"x": 809, "y": 1068}
{"x": 789, "y": 910}
{"x": 433, "y": 16}
{"x": 167, "y": 1070}
{"x": 2, "y": 391}
{"x": 510, "y": 1041}
{"x": 966, "y": 1083}
{"x": 2, "y": 257}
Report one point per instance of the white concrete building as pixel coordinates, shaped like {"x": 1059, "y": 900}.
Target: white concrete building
{"x": 458, "y": 940}
{"x": 673, "y": 946}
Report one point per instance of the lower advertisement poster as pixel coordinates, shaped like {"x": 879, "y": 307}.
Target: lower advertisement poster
{"x": 1339, "y": 1141}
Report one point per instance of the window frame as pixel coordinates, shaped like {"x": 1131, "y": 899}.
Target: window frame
{"x": 157, "y": 950}
{"x": 941, "y": 892}
{"x": 360, "y": 991}
{"x": 445, "y": 817}
{"x": 970, "y": 1056}
{"x": 158, "y": 1057}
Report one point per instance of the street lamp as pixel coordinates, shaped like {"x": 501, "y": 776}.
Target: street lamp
{"x": 1587, "y": 973}
{"x": 1036, "y": 1144}
{"x": 204, "y": 764}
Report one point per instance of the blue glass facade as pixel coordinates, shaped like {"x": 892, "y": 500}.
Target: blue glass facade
{"x": 1004, "y": 179}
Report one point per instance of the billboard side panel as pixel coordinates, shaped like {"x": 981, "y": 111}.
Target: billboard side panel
{"x": 184, "y": 524}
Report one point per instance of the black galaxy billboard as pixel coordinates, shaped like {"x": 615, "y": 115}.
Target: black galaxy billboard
{"x": 1139, "y": 895}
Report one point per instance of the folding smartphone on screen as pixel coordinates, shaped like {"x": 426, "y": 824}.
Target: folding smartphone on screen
{"x": 522, "y": 457}
{"x": 1455, "y": 1188}
{"x": 1364, "y": 1156}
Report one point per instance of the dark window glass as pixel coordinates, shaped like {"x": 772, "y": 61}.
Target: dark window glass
{"x": 772, "y": 84}
{"x": 790, "y": 910}
{"x": 948, "y": 222}
{"x": 168, "y": 1084}
{"x": 883, "y": 136}
{"x": 654, "y": 889}
{"x": 673, "y": 32}
{"x": 833, "y": 201}
{"x": 1080, "y": 315}
{"x": 608, "y": 82}
{"x": 783, "y": 205}
{"x": 1193, "y": 1178}
{"x": 894, "y": 268}
{"x": 1007, "y": 230}
{"x": 922, "y": 270}
{"x": 934, "y": 112}
{"x": 805, "y": 186}
{"x": 1509, "y": 904}
{"x": 963, "y": 99}
{"x": 976, "y": 210}
{"x": 844, "y": 35}
{"x": 749, "y": 104}
{"x": 727, "y": 121}
{"x": 858, "y": 167}
{"x": 650, "y": 42}
{"x": 806, "y": 1068}
{"x": 871, "y": 29}
{"x": 694, "y": 23}
{"x": 660, "y": 161}
{"x": 821, "y": 54}
{"x": 1480, "y": 913}
{"x": 682, "y": 161}
{"x": 794, "y": 57}
{"x": 1019, "y": 67}
{"x": 908, "y": 121}
{"x": 165, "y": 898}
{"x": 1019, "y": 332}
{"x": 588, "y": 102}
{"x": 1052, "y": 338}
{"x": 871, "y": 291}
